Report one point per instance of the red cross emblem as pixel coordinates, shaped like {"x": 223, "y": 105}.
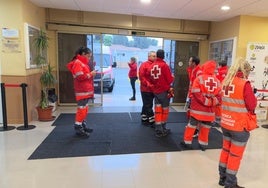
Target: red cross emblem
{"x": 210, "y": 84}
{"x": 227, "y": 90}
{"x": 155, "y": 72}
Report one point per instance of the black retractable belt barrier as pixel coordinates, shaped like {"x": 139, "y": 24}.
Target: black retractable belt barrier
{"x": 4, "y": 111}
{"x": 26, "y": 126}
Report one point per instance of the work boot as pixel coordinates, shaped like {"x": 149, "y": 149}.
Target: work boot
{"x": 185, "y": 146}
{"x": 87, "y": 129}
{"x": 144, "y": 120}
{"x": 202, "y": 147}
{"x": 132, "y": 99}
{"x": 151, "y": 120}
{"x": 165, "y": 129}
{"x": 160, "y": 134}
{"x": 80, "y": 131}
{"x": 222, "y": 181}
{"x": 233, "y": 186}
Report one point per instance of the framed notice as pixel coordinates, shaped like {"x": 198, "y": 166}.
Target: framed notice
{"x": 10, "y": 41}
{"x": 223, "y": 50}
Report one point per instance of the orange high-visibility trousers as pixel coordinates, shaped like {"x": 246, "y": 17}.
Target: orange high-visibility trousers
{"x": 81, "y": 114}
{"x": 158, "y": 114}
{"x": 165, "y": 112}
{"x": 188, "y": 133}
{"x": 231, "y": 155}
{"x": 203, "y": 133}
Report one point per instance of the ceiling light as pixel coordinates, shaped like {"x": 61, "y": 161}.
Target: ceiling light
{"x": 225, "y": 8}
{"x": 146, "y": 1}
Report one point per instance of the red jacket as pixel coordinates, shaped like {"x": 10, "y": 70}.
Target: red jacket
{"x": 221, "y": 73}
{"x": 193, "y": 73}
{"x": 83, "y": 79}
{"x": 161, "y": 77}
{"x": 206, "y": 93}
{"x": 133, "y": 70}
{"x": 145, "y": 76}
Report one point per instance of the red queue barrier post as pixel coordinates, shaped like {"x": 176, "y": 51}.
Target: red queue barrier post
{"x": 26, "y": 126}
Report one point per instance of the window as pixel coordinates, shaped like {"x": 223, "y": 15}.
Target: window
{"x": 31, "y": 33}
{"x": 223, "y": 50}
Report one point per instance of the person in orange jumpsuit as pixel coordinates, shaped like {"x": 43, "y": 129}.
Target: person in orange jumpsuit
{"x": 206, "y": 94}
{"x": 238, "y": 105}
{"x": 220, "y": 74}
{"x": 83, "y": 88}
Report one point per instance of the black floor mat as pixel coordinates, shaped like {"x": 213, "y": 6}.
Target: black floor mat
{"x": 115, "y": 133}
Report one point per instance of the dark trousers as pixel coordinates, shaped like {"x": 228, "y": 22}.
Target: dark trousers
{"x": 132, "y": 82}
{"x": 147, "y": 107}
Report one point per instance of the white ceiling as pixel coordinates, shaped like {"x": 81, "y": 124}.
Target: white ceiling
{"x": 208, "y": 10}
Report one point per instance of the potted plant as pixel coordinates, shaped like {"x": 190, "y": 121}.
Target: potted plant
{"x": 47, "y": 78}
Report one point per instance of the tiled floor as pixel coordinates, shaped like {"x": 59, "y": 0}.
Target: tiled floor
{"x": 187, "y": 169}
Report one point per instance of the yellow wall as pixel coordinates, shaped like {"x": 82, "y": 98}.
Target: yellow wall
{"x": 13, "y": 15}
{"x": 18, "y": 12}
{"x": 252, "y": 29}
{"x": 245, "y": 28}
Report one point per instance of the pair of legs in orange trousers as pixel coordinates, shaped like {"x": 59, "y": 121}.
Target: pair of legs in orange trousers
{"x": 233, "y": 147}
{"x": 204, "y": 128}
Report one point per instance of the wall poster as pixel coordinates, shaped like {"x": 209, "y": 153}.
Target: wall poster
{"x": 257, "y": 56}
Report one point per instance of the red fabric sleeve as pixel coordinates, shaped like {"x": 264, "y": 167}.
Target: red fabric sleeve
{"x": 249, "y": 97}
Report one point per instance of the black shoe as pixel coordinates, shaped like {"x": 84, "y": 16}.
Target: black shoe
{"x": 87, "y": 129}
{"x": 153, "y": 126}
{"x": 222, "y": 181}
{"x": 132, "y": 99}
{"x": 185, "y": 146}
{"x": 79, "y": 130}
{"x": 160, "y": 134}
{"x": 166, "y": 130}
{"x": 202, "y": 147}
{"x": 233, "y": 186}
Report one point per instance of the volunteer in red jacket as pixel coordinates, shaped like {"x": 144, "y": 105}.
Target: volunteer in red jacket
{"x": 161, "y": 79}
{"x": 83, "y": 88}
{"x": 147, "y": 113}
{"x": 220, "y": 74}
{"x": 206, "y": 93}
{"x": 133, "y": 76}
{"x": 238, "y": 105}
{"x": 194, "y": 70}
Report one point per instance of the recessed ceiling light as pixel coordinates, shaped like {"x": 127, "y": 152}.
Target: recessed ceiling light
{"x": 146, "y": 1}
{"x": 225, "y": 8}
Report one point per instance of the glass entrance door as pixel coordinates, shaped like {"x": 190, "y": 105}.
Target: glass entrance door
{"x": 67, "y": 46}
{"x": 177, "y": 55}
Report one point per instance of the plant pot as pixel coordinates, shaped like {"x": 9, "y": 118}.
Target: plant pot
{"x": 45, "y": 114}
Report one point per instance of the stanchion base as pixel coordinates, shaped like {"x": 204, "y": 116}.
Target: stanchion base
{"x": 265, "y": 126}
{"x": 8, "y": 128}
{"x": 22, "y": 128}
